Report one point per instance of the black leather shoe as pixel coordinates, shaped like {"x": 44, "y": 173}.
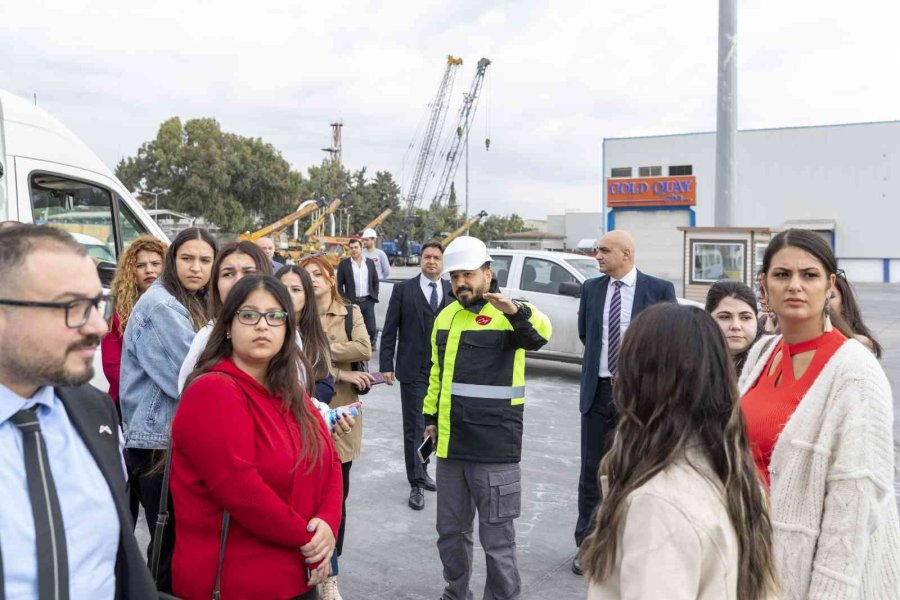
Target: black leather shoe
{"x": 416, "y": 498}
{"x": 429, "y": 483}
{"x": 576, "y": 566}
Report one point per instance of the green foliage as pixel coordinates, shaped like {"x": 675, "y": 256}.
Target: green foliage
{"x": 494, "y": 227}
{"x": 242, "y": 183}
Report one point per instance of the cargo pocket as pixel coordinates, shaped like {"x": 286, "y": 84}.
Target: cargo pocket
{"x": 506, "y": 495}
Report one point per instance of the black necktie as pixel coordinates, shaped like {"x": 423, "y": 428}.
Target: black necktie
{"x": 49, "y": 531}
{"x": 434, "y": 300}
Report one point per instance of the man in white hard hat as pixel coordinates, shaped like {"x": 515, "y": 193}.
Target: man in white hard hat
{"x": 382, "y": 264}
{"x": 474, "y": 413}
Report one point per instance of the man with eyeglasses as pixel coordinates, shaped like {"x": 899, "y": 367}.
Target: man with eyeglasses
{"x": 65, "y": 527}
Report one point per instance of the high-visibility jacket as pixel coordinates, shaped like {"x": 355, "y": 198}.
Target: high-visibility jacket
{"x": 476, "y": 393}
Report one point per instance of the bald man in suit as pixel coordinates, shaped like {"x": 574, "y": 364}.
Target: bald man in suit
{"x": 616, "y": 298}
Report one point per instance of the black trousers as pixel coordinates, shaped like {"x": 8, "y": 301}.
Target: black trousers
{"x": 597, "y": 428}
{"x": 367, "y": 308}
{"x": 145, "y": 482}
{"x": 134, "y": 501}
{"x": 412, "y": 396}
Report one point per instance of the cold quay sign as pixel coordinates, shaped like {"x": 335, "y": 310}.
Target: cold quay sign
{"x": 651, "y": 191}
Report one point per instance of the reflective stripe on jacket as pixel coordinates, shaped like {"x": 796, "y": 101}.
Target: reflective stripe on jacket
{"x": 476, "y": 393}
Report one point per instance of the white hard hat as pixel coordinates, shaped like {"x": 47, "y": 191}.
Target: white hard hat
{"x": 369, "y": 233}
{"x": 465, "y": 254}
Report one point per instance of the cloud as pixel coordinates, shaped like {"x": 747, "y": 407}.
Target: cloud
{"x": 564, "y": 76}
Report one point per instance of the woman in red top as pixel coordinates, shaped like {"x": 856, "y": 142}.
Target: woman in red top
{"x": 245, "y": 440}
{"x": 796, "y": 283}
{"x": 139, "y": 266}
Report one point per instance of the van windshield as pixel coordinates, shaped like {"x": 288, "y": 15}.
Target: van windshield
{"x": 586, "y": 266}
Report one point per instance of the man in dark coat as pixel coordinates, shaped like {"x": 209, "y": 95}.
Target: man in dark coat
{"x": 65, "y": 526}
{"x": 615, "y": 299}
{"x": 413, "y": 306}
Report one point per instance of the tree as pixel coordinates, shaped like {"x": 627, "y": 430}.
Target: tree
{"x": 494, "y": 227}
{"x": 230, "y": 180}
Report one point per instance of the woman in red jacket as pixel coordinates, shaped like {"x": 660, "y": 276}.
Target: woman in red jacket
{"x": 246, "y": 441}
{"x": 139, "y": 266}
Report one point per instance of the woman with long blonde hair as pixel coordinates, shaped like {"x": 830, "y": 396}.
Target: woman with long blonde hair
{"x": 683, "y": 515}
{"x": 139, "y": 266}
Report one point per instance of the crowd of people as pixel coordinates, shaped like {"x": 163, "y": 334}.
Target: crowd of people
{"x": 723, "y": 455}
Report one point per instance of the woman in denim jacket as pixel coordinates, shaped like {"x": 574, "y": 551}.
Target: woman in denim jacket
{"x": 157, "y": 338}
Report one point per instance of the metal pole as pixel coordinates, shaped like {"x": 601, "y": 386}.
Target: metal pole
{"x": 466, "y": 216}
{"x": 726, "y": 115}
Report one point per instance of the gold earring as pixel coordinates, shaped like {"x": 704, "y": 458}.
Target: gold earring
{"x": 827, "y": 326}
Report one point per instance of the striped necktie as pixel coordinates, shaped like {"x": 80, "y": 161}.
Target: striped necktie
{"x": 49, "y": 531}
{"x": 615, "y": 327}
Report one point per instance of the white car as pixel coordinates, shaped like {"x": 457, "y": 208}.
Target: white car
{"x": 551, "y": 281}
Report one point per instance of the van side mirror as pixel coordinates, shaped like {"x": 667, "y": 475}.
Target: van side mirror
{"x": 107, "y": 272}
{"x": 570, "y": 288}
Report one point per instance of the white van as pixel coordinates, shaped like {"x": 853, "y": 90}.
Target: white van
{"x": 47, "y": 175}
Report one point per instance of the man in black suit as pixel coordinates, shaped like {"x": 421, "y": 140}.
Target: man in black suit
{"x": 65, "y": 526}
{"x": 357, "y": 281}
{"x": 412, "y": 309}
{"x": 617, "y": 298}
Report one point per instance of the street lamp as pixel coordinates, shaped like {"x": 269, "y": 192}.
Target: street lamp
{"x": 156, "y": 194}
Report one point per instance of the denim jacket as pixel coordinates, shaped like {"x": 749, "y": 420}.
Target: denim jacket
{"x": 157, "y": 338}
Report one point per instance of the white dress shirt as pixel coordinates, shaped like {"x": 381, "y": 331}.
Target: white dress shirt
{"x": 361, "y": 276}
{"x": 627, "y": 294}
{"x": 425, "y": 284}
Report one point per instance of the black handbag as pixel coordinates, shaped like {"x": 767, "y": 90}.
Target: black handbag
{"x": 162, "y": 519}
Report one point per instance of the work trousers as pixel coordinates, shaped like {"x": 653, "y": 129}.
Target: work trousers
{"x": 494, "y": 490}
{"x": 597, "y": 428}
{"x": 145, "y": 481}
{"x": 412, "y": 395}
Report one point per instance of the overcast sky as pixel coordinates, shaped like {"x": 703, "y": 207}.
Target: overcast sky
{"x": 565, "y": 75}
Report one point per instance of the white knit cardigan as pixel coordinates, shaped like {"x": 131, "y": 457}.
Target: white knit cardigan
{"x": 836, "y": 528}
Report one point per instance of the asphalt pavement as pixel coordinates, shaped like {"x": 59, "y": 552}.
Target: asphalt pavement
{"x": 390, "y": 551}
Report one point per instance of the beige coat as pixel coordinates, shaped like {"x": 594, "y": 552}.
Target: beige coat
{"x": 677, "y": 542}
{"x": 344, "y": 352}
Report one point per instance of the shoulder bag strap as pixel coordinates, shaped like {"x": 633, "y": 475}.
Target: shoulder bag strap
{"x": 162, "y": 520}
{"x": 226, "y": 519}
{"x": 162, "y": 517}
{"x": 348, "y": 323}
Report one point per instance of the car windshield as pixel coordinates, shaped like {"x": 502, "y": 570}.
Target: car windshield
{"x": 586, "y": 266}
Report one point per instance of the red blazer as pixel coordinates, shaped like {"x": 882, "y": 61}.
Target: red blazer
{"x": 111, "y": 353}
{"x": 235, "y": 447}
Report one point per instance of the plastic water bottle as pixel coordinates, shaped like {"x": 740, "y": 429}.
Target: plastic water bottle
{"x": 336, "y": 413}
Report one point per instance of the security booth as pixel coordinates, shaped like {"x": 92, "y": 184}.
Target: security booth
{"x": 714, "y": 253}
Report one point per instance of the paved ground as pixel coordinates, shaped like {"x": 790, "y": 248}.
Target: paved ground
{"x": 390, "y": 552}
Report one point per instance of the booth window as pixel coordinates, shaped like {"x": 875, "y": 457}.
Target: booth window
{"x": 759, "y": 250}
{"x": 649, "y": 171}
{"x": 681, "y": 170}
{"x": 715, "y": 260}
{"x": 620, "y": 172}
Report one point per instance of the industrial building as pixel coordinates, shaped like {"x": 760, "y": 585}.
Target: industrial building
{"x": 842, "y": 181}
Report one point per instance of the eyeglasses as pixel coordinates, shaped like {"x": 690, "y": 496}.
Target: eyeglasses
{"x": 275, "y": 318}
{"x": 77, "y": 311}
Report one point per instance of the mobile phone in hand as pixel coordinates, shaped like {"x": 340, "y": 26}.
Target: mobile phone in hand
{"x": 377, "y": 378}
{"x": 426, "y": 450}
